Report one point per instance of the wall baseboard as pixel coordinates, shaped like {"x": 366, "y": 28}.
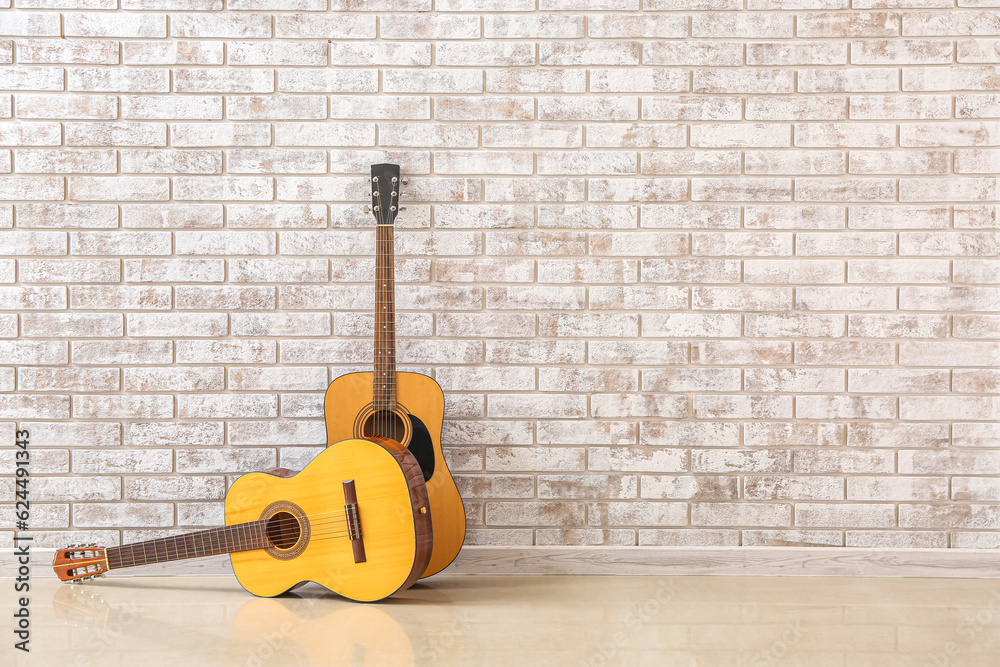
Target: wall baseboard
{"x": 658, "y": 561}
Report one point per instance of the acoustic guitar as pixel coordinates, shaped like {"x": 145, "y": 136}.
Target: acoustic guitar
{"x": 355, "y": 520}
{"x": 403, "y": 407}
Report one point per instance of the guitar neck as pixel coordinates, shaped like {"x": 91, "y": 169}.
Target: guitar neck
{"x": 211, "y": 542}
{"x": 385, "y": 322}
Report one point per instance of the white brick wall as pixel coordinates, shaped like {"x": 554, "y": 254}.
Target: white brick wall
{"x": 689, "y": 272}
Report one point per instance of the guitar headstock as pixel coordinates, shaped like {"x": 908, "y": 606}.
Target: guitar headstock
{"x": 80, "y": 562}
{"x": 385, "y": 182}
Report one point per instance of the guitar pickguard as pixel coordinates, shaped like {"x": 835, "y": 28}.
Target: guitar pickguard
{"x": 422, "y": 447}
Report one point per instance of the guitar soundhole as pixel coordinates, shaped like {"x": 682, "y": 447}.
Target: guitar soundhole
{"x": 283, "y": 530}
{"x": 385, "y": 424}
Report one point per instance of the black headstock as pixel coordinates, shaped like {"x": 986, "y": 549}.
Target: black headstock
{"x": 385, "y": 184}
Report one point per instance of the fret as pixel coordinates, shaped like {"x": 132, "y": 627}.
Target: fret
{"x": 384, "y": 389}
{"x": 227, "y": 539}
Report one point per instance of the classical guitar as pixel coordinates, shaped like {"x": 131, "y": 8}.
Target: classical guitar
{"x": 403, "y": 407}
{"x": 355, "y": 520}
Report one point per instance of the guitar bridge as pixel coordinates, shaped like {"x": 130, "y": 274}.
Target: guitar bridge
{"x": 353, "y": 521}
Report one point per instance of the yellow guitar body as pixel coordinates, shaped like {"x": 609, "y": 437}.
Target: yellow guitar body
{"x": 420, "y": 402}
{"x": 393, "y": 517}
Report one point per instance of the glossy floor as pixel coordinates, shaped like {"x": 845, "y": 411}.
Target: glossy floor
{"x": 551, "y": 620}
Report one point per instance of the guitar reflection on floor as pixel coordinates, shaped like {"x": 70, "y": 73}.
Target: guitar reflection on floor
{"x": 289, "y": 631}
{"x": 302, "y": 629}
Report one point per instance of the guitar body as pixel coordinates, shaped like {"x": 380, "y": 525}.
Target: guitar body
{"x": 310, "y": 541}
{"x": 416, "y": 424}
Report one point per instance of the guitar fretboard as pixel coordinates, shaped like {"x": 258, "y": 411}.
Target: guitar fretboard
{"x": 385, "y": 322}
{"x": 211, "y": 542}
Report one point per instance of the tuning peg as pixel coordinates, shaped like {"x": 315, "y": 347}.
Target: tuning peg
{"x": 368, "y": 209}
{"x": 405, "y": 181}
{"x": 402, "y": 208}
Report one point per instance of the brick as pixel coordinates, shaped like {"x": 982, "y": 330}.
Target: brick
{"x": 76, "y": 51}
{"x": 66, "y": 161}
{"x": 868, "y": 515}
{"x": 39, "y": 188}
{"x": 115, "y": 25}
{"x": 144, "y": 515}
{"x": 695, "y": 270}
{"x": 518, "y": 459}
{"x": 123, "y": 406}
{"x": 692, "y": 108}
{"x": 493, "y": 325}
{"x": 688, "y": 162}
{"x": 744, "y": 406}
{"x": 848, "y": 24}
{"x": 119, "y": 188}
{"x": 638, "y": 298}
{"x": 797, "y": 380}
{"x": 32, "y": 78}
{"x": 852, "y": 80}
{"x": 692, "y": 379}
{"x": 898, "y": 217}
{"x": 226, "y": 351}
{"x": 897, "y": 271}
{"x": 225, "y": 298}
{"x": 898, "y": 435}
{"x": 749, "y": 25}
{"x": 350, "y": 81}
{"x": 106, "y": 460}
{"x": 595, "y": 432}
{"x": 845, "y": 407}
{"x": 32, "y": 298}
{"x": 71, "y": 271}
{"x": 776, "y": 487}
{"x": 324, "y": 26}
{"x": 452, "y": 81}
{"x": 76, "y": 325}
{"x": 741, "y": 514}
{"x": 593, "y": 108}
{"x": 741, "y": 189}
{"x": 66, "y": 106}
{"x": 191, "y": 135}
{"x": 742, "y": 81}
{"x": 174, "y": 52}
{"x": 909, "y": 107}
{"x": 433, "y": 26}
{"x": 499, "y": 54}
{"x": 535, "y": 81}
{"x": 846, "y": 243}
{"x": 944, "y": 78}
{"x": 898, "y": 326}
{"x": 901, "y": 52}
{"x": 904, "y": 488}
{"x": 844, "y": 461}
{"x": 242, "y": 188}
{"x": 24, "y": 353}
{"x": 532, "y": 513}
{"x": 189, "y": 80}
{"x": 540, "y": 26}
{"x": 636, "y": 459}
{"x": 810, "y": 434}
{"x": 231, "y": 460}
{"x": 30, "y": 134}
{"x": 688, "y": 487}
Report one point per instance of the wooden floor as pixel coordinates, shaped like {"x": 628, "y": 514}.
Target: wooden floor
{"x": 576, "y": 621}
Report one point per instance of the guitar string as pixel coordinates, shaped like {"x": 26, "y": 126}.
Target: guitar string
{"x": 172, "y": 545}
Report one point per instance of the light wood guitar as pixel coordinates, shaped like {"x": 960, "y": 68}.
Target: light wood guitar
{"x": 402, "y": 407}
{"x": 364, "y": 536}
